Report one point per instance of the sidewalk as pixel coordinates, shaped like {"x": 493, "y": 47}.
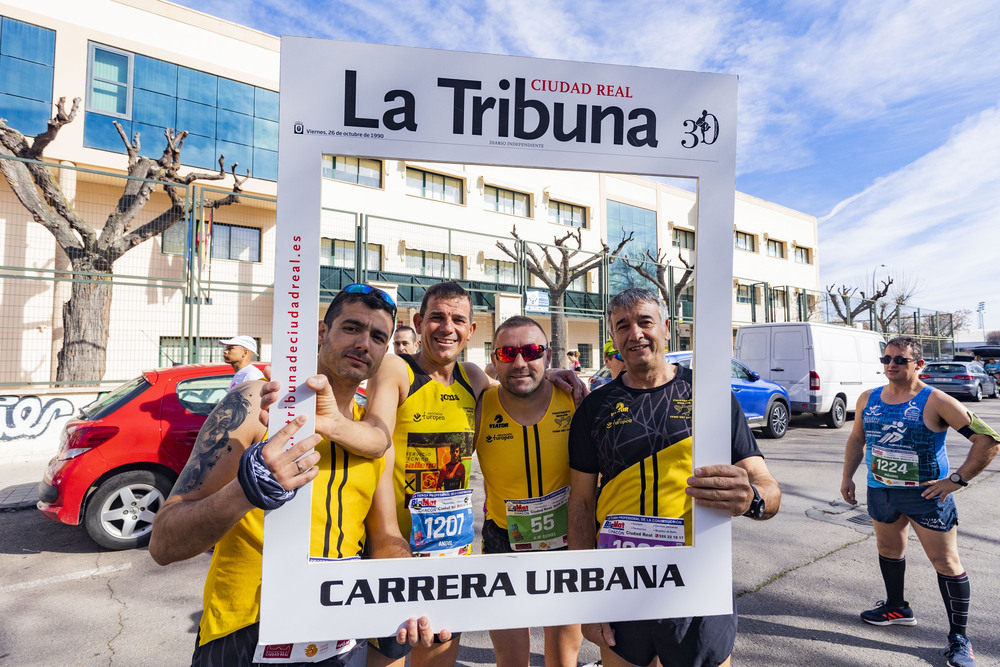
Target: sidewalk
{"x": 19, "y": 484}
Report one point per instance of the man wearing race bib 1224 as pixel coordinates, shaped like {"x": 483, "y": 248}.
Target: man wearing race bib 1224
{"x": 899, "y": 433}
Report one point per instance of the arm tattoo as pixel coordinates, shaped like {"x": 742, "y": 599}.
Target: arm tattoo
{"x": 213, "y": 440}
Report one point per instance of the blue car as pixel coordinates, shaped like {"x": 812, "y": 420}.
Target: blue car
{"x": 764, "y": 402}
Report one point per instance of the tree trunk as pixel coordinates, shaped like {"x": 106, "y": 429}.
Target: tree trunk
{"x": 86, "y": 318}
{"x": 558, "y": 341}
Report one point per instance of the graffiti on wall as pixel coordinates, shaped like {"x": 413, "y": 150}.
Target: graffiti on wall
{"x": 28, "y": 417}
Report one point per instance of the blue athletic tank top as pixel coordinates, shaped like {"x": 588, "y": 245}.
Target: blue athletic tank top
{"x": 895, "y": 435}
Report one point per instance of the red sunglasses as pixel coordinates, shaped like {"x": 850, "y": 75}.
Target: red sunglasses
{"x": 508, "y": 353}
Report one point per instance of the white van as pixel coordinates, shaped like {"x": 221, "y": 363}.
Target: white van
{"x": 823, "y": 367}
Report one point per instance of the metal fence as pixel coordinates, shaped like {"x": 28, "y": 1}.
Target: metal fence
{"x": 211, "y": 276}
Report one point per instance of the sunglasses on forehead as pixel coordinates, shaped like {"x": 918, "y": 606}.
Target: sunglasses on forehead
{"x": 898, "y": 359}
{"x": 508, "y": 353}
{"x": 361, "y": 288}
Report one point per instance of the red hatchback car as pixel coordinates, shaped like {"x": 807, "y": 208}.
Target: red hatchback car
{"x": 119, "y": 458}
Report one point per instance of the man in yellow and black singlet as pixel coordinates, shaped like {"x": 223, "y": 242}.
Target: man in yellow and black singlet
{"x": 522, "y": 444}
{"x": 235, "y": 472}
{"x": 634, "y": 435}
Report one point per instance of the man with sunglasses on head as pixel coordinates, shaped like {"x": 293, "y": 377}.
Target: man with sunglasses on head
{"x": 522, "y": 436}
{"x": 236, "y": 472}
{"x": 633, "y": 437}
{"x": 900, "y": 435}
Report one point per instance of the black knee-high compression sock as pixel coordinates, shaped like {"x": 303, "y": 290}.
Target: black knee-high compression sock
{"x": 956, "y": 593}
{"x": 893, "y": 573}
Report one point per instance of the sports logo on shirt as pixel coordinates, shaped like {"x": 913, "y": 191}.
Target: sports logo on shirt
{"x": 619, "y": 416}
{"x": 498, "y": 422}
{"x": 680, "y": 408}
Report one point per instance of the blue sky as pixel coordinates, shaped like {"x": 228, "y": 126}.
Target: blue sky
{"x": 882, "y": 119}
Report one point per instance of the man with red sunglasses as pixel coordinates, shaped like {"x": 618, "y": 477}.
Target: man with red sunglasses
{"x": 522, "y": 432}
{"x": 433, "y": 397}
{"x": 900, "y": 435}
{"x": 633, "y": 436}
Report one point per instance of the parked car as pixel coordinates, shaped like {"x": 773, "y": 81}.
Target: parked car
{"x": 764, "y": 403}
{"x": 961, "y": 378}
{"x": 824, "y": 367}
{"x": 119, "y": 458}
{"x": 602, "y": 376}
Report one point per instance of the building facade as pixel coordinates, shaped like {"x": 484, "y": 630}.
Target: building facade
{"x": 149, "y": 65}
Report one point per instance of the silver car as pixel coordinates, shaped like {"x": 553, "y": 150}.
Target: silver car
{"x": 961, "y": 378}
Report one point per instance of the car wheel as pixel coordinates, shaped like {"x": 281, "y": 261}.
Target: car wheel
{"x": 996, "y": 390}
{"x": 120, "y": 513}
{"x": 837, "y": 416}
{"x": 777, "y": 420}
{"x": 978, "y": 396}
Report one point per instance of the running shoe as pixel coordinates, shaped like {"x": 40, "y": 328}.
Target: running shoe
{"x": 883, "y": 614}
{"x": 959, "y": 651}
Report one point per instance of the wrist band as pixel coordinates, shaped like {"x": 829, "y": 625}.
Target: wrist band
{"x": 258, "y": 483}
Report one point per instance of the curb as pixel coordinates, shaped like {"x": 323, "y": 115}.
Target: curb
{"x": 19, "y": 497}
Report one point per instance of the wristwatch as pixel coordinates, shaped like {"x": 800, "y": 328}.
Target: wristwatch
{"x": 957, "y": 479}
{"x": 756, "y": 510}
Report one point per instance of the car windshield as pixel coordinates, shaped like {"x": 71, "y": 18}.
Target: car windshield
{"x": 111, "y": 401}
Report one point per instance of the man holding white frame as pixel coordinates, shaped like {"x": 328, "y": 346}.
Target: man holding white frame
{"x": 634, "y": 436}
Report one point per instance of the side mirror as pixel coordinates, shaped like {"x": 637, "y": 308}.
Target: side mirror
{"x": 754, "y": 376}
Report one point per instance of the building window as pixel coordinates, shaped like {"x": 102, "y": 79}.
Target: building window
{"x": 173, "y": 351}
{"x": 235, "y": 242}
{"x": 683, "y": 239}
{"x": 623, "y": 219}
{"x": 746, "y": 242}
{"x": 27, "y": 62}
{"x": 433, "y": 264}
{"x": 778, "y": 298}
{"x": 433, "y": 186}
{"x": 775, "y": 249}
{"x": 500, "y": 271}
{"x": 585, "y": 350}
{"x": 745, "y": 294}
{"x": 803, "y": 255}
{"x": 359, "y": 171}
{"x": 146, "y": 95}
{"x": 341, "y": 254}
{"x": 567, "y": 214}
{"x": 110, "y": 75}
{"x": 507, "y": 201}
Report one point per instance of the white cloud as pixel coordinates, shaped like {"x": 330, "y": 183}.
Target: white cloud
{"x": 936, "y": 218}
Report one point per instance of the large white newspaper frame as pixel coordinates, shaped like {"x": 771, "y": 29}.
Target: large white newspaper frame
{"x": 416, "y": 104}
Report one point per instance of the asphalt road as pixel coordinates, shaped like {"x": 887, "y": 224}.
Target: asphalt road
{"x": 801, "y": 579}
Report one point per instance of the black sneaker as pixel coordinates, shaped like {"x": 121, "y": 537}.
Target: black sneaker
{"x": 883, "y": 614}
{"x": 959, "y": 651}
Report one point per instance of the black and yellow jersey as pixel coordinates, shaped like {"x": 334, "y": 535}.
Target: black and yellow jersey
{"x": 341, "y": 497}
{"x": 522, "y": 461}
{"x": 432, "y": 421}
{"x": 639, "y": 443}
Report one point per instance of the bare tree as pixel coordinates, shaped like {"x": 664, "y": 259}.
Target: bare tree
{"x": 563, "y": 273}
{"x": 659, "y": 276}
{"x": 92, "y": 252}
{"x": 848, "y": 309}
{"x": 887, "y": 310}
{"x": 993, "y": 337}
